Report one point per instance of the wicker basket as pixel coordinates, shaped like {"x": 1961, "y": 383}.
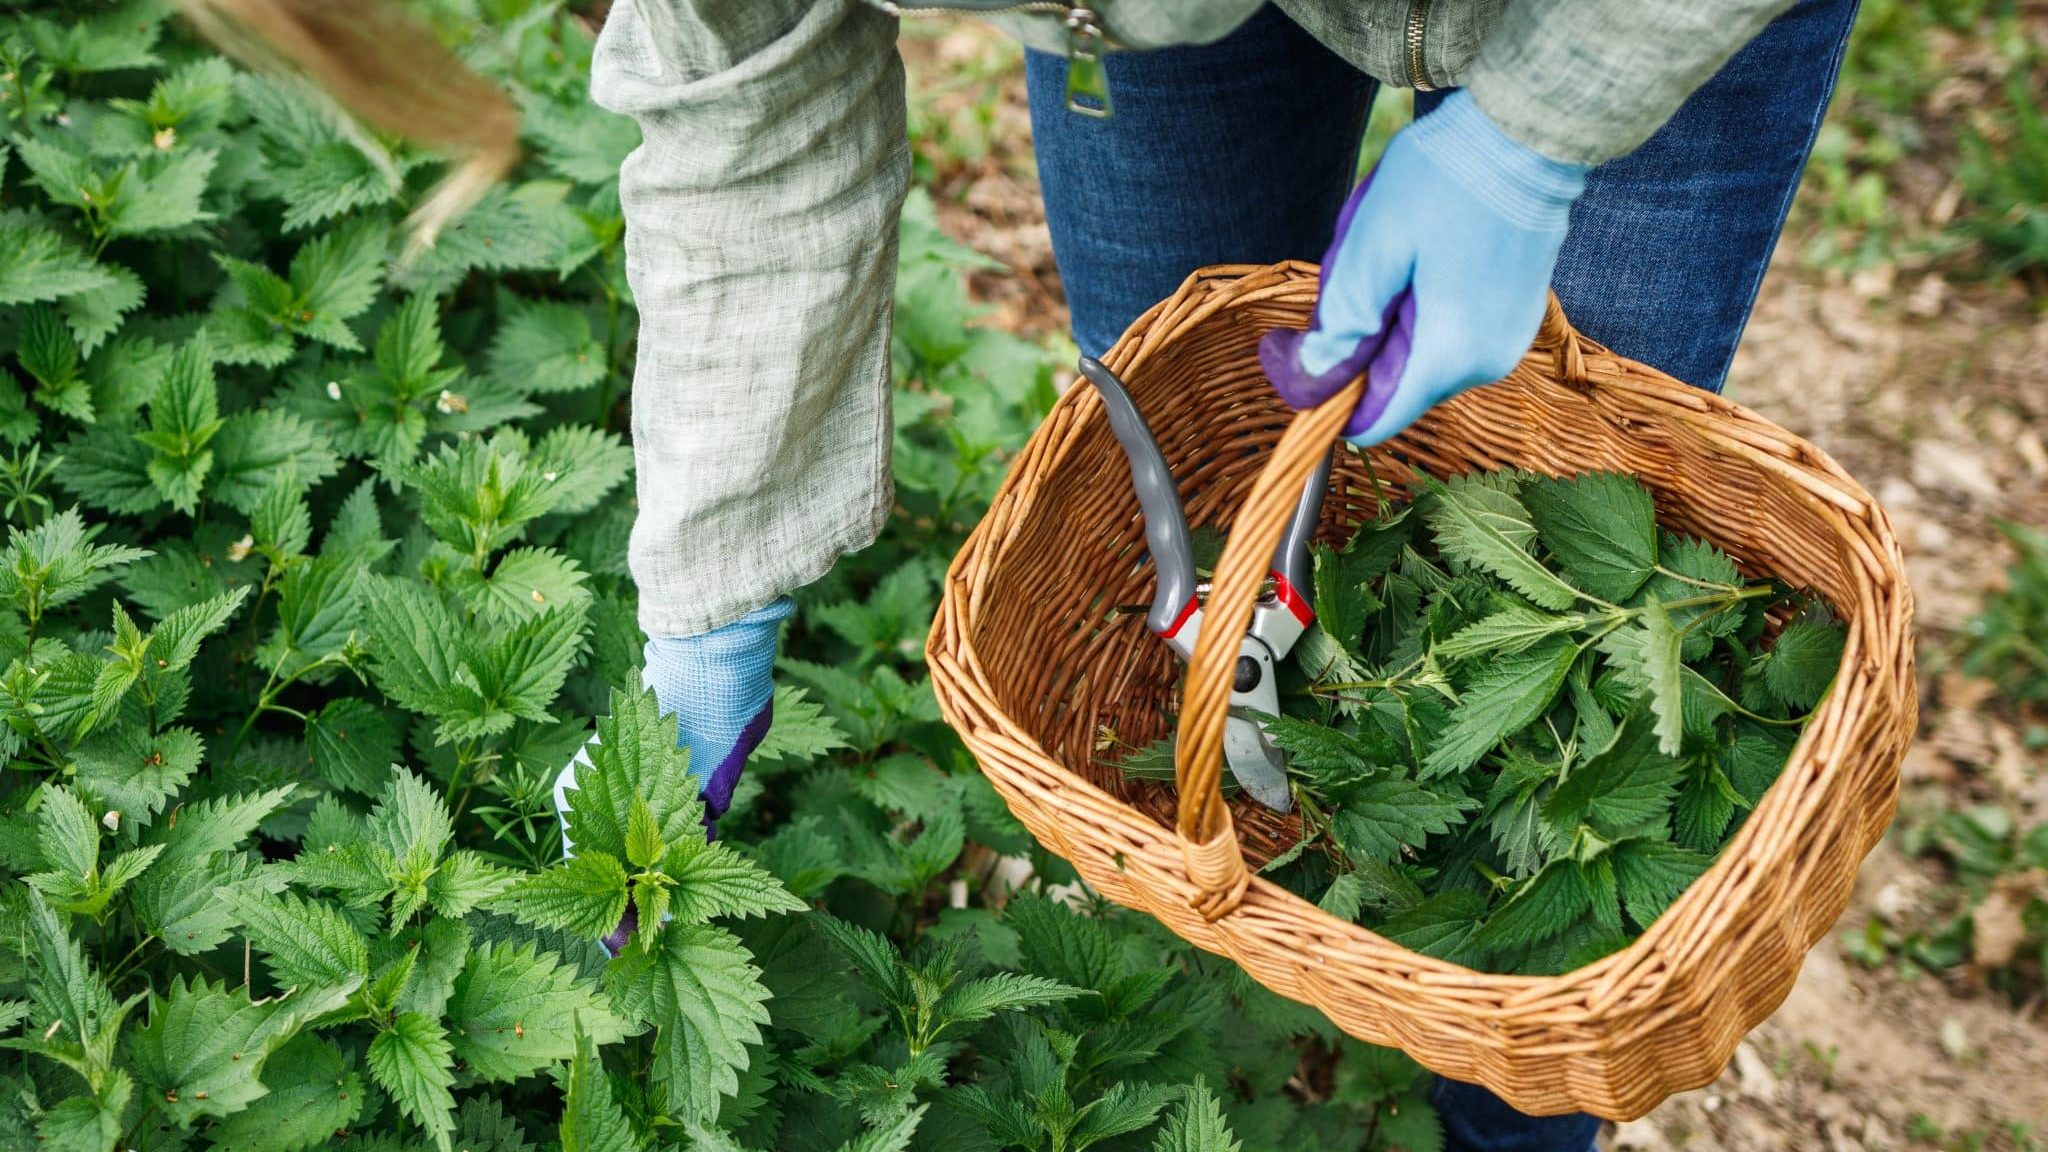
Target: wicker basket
{"x": 1030, "y": 659}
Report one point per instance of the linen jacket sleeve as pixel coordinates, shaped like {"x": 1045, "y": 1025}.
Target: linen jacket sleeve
{"x": 1588, "y": 80}
{"x": 761, "y": 210}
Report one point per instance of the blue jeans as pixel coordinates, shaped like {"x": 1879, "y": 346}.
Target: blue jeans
{"x": 1242, "y": 151}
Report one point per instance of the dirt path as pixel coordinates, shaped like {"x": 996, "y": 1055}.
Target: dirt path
{"x": 1935, "y": 396}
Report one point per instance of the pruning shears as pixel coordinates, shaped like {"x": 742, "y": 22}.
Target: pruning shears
{"x": 1279, "y": 617}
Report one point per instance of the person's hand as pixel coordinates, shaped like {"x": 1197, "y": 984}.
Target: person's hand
{"x": 720, "y": 686}
{"x": 1435, "y": 281}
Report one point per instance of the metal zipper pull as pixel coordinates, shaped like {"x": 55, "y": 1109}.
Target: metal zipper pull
{"x": 1087, "y": 81}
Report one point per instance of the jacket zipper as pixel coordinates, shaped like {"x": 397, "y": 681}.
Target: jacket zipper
{"x": 1418, "y": 23}
{"x": 1087, "y": 81}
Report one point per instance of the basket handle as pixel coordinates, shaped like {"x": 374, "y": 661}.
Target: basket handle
{"x": 1208, "y": 839}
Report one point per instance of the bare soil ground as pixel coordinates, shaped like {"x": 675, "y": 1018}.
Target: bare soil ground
{"x": 1935, "y": 395}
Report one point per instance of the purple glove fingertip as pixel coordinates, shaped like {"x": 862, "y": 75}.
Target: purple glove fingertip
{"x": 1381, "y": 356}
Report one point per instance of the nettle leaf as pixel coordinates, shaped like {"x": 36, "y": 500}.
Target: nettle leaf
{"x": 1540, "y": 908}
{"x": 1652, "y": 874}
{"x": 354, "y": 745}
{"x": 1442, "y": 925}
{"x": 39, "y": 263}
{"x": 1509, "y": 629}
{"x": 258, "y": 449}
{"x": 699, "y": 986}
{"x": 1197, "y": 1125}
{"x": 516, "y": 1010}
{"x": 115, "y": 40}
{"x": 94, "y": 314}
{"x": 413, "y": 1061}
{"x": 802, "y": 731}
{"x": 161, "y": 194}
{"x": 635, "y": 755}
{"x": 591, "y": 1119}
{"x": 87, "y": 1121}
{"x": 303, "y": 941}
{"x": 1625, "y": 790}
{"x": 319, "y": 605}
{"x": 203, "y": 1050}
{"x": 1380, "y": 817}
{"x": 1694, "y": 569}
{"x": 525, "y": 583}
{"x": 973, "y": 1000}
{"x": 478, "y": 495}
{"x": 1329, "y": 752}
{"x": 547, "y": 347}
{"x": 710, "y": 880}
{"x": 579, "y": 140}
{"x": 585, "y": 896}
{"x": 333, "y": 279}
{"x": 1501, "y": 698}
{"x": 75, "y": 1019}
{"x": 1481, "y": 526}
{"x": 1801, "y": 666}
{"x": 313, "y": 1093}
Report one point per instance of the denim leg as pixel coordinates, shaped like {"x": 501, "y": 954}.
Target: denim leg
{"x": 1669, "y": 244}
{"x": 1238, "y": 151}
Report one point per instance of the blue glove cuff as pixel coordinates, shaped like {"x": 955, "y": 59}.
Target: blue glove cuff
{"x": 1526, "y": 187}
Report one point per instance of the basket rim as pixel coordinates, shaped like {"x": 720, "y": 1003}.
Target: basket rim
{"x": 1629, "y": 980}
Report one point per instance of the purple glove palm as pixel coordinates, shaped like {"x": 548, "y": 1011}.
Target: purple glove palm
{"x": 1434, "y": 282}
{"x": 720, "y": 686}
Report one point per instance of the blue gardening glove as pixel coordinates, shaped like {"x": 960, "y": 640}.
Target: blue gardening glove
{"x": 720, "y": 686}
{"x": 1435, "y": 280}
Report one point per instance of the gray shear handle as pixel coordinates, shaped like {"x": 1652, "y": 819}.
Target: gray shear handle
{"x": 1291, "y": 557}
{"x": 1166, "y": 526}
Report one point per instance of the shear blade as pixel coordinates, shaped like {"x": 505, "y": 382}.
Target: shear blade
{"x": 1258, "y": 766}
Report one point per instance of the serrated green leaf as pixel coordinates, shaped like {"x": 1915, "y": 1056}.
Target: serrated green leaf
{"x": 313, "y": 1093}
{"x": 710, "y": 879}
{"x": 303, "y": 941}
{"x": 1486, "y": 528}
{"x": 1625, "y": 790}
{"x": 700, "y": 987}
{"x": 974, "y": 1000}
{"x": 203, "y": 1050}
{"x": 586, "y": 896}
{"x": 547, "y": 347}
{"x": 1508, "y": 630}
{"x": 802, "y": 731}
{"x": 353, "y": 745}
{"x": 515, "y": 1011}
{"x": 525, "y": 583}
{"x": 1381, "y": 816}
{"x": 591, "y": 1121}
{"x": 412, "y": 1061}
{"x": 1801, "y": 666}
{"x": 1653, "y": 873}
{"x": 1197, "y": 1125}
{"x": 38, "y": 263}
{"x": 1539, "y": 908}
{"x": 1500, "y": 699}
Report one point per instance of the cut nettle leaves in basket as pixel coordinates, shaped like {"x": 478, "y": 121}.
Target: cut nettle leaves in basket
{"x": 1528, "y": 718}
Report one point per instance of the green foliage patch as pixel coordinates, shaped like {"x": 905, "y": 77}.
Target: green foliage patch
{"x": 313, "y": 576}
{"x": 1526, "y": 718}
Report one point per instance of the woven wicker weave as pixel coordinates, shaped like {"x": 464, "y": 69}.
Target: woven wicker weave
{"x": 1031, "y": 657}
